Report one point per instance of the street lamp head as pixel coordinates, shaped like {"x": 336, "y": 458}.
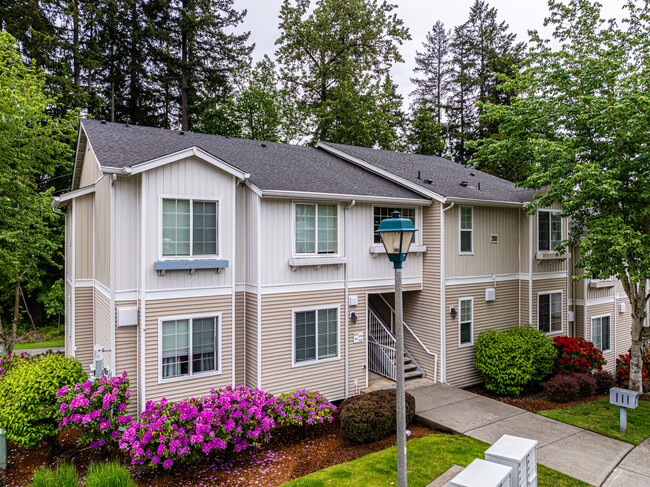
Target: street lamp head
{"x": 396, "y": 235}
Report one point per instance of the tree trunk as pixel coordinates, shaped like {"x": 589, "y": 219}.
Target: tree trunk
{"x": 185, "y": 118}
{"x": 638, "y": 299}
{"x": 75, "y": 49}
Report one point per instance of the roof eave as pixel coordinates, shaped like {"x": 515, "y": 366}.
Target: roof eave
{"x": 309, "y": 195}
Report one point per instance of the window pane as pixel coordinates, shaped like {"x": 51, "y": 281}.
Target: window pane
{"x": 605, "y": 333}
{"x": 327, "y": 333}
{"x": 543, "y": 229}
{"x": 466, "y": 310}
{"x": 465, "y": 333}
{"x": 175, "y": 348}
{"x": 305, "y": 229}
{"x": 465, "y": 240}
{"x": 205, "y": 228}
{"x": 544, "y": 312}
{"x": 556, "y": 312}
{"x": 305, "y": 339}
{"x": 556, "y": 229}
{"x": 327, "y": 229}
{"x": 466, "y": 218}
{"x": 176, "y": 227}
{"x": 204, "y": 356}
{"x": 381, "y": 213}
{"x": 595, "y": 333}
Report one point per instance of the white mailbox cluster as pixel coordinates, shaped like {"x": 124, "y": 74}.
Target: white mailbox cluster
{"x": 510, "y": 462}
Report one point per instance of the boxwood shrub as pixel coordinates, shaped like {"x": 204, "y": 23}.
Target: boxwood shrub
{"x": 513, "y": 359}
{"x": 370, "y": 417}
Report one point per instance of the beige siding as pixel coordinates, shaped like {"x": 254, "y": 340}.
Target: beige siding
{"x": 251, "y": 379}
{"x": 580, "y": 321}
{"x": 190, "y": 387}
{"x": 524, "y": 300}
{"x": 68, "y": 242}
{"x": 544, "y": 285}
{"x": 594, "y": 310}
{"x": 554, "y": 265}
{"x": 600, "y": 293}
{"x": 90, "y": 171}
{"x": 68, "y": 319}
{"x": 83, "y": 326}
{"x": 252, "y": 237}
{"x": 102, "y": 230}
{"x": 623, "y": 323}
{"x": 422, "y": 308}
{"x": 499, "y": 314}
{"x": 126, "y": 354}
{"x": 488, "y": 258}
{"x": 127, "y": 222}
{"x": 524, "y": 234}
{"x": 83, "y": 216}
{"x": 240, "y": 329}
{"x": 103, "y": 327}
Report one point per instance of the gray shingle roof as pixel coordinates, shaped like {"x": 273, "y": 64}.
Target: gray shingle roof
{"x": 272, "y": 166}
{"x": 445, "y": 176}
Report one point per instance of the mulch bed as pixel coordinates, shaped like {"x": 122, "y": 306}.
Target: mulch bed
{"x": 533, "y": 401}
{"x": 289, "y": 455}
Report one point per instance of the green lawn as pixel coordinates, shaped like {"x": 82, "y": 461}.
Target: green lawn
{"x": 428, "y": 458}
{"x": 58, "y": 342}
{"x": 601, "y": 417}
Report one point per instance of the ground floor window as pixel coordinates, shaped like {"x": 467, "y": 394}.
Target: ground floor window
{"x": 549, "y": 312}
{"x": 600, "y": 332}
{"x": 189, "y": 346}
{"x": 316, "y": 335}
{"x": 466, "y": 323}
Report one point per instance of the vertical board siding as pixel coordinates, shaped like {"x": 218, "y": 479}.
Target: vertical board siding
{"x": 102, "y": 230}
{"x": 127, "y": 220}
{"x": 126, "y": 354}
{"x": 500, "y": 314}
{"x": 422, "y": 308}
{"x": 251, "y": 237}
{"x": 240, "y": 233}
{"x": 623, "y": 328}
{"x": 251, "y": 339}
{"x": 83, "y": 232}
{"x": 191, "y": 387}
{"x": 83, "y": 326}
{"x": 240, "y": 327}
{"x": 90, "y": 169}
{"x": 580, "y": 321}
{"x": 188, "y": 178}
{"x": 103, "y": 327}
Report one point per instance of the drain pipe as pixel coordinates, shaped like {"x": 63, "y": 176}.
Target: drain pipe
{"x": 3, "y": 450}
{"x": 443, "y": 304}
{"x": 347, "y": 298}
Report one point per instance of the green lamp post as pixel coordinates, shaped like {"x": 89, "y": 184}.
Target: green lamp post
{"x": 396, "y": 235}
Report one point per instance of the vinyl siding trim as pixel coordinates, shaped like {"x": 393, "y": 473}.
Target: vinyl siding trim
{"x": 317, "y": 361}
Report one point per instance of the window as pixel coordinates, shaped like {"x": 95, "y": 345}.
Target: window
{"x": 549, "y": 312}
{"x": 189, "y": 228}
{"x": 466, "y": 323}
{"x": 189, "y": 346}
{"x": 316, "y": 229}
{"x": 316, "y": 335}
{"x": 549, "y": 230}
{"x": 466, "y": 226}
{"x": 380, "y": 213}
{"x": 600, "y": 333}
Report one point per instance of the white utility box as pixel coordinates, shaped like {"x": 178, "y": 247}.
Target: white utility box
{"x": 490, "y": 294}
{"x": 480, "y": 473}
{"x": 127, "y": 316}
{"x": 518, "y": 453}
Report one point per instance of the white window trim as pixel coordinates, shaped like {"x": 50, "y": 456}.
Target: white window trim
{"x": 591, "y": 330}
{"x": 191, "y": 199}
{"x": 339, "y": 230}
{"x": 218, "y": 348}
{"x": 550, "y": 242}
{"x": 471, "y": 328}
{"x": 304, "y": 363}
{"x": 461, "y": 230}
{"x": 417, "y": 223}
{"x": 561, "y": 330}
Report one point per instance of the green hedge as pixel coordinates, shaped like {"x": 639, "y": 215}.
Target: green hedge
{"x": 513, "y": 359}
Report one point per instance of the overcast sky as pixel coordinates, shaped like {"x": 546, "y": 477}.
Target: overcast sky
{"x": 419, "y": 16}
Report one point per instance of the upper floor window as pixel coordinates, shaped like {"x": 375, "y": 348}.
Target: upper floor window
{"x": 189, "y": 227}
{"x": 600, "y": 333}
{"x": 466, "y": 230}
{"x": 189, "y": 346}
{"x": 316, "y": 228}
{"x": 316, "y": 335}
{"x": 380, "y": 213}
{"x": 549, "y": 312}
{"x": 549, "y": 230}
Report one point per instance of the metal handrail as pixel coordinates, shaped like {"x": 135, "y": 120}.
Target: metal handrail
{"x": 382, "y": 361}
{"x": 435, "y": 355}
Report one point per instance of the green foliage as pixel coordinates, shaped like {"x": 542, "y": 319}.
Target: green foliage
{"x": 62, "y": 476}
{"x": 110, "y": 474}
{"x": 303, "y": 407}
{"x": 54, "y": 302}
{"x": 426, "y": 134}
{"x": 605, "y": 380}
{"x": 28, "y": 402}
{"x": 370, "y": 417}
{"x": 513, "y": 359}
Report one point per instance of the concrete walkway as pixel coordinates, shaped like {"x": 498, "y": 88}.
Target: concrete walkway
{"x": 579, "y": 453}
{"x": 36, "y": 351}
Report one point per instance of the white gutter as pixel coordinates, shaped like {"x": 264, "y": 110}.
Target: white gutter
{"x": 443, "y": 298}
{"x": 234, "y": 273}
{"x": 347, "y": 299}
{"x": 308, "y": 195}
{"x": 480, "y": 202}
{"x": 259, "y": 293}
{"x": 58, "y": 201}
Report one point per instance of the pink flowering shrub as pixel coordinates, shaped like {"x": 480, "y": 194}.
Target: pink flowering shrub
{"x": 169, "y": 433}
{"x": 303, "y": 407}
{"x": 98, "y": 408}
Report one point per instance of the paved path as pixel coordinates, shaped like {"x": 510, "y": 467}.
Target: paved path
{"x": 579, "y": 453}
{"x": 36, "y": 351}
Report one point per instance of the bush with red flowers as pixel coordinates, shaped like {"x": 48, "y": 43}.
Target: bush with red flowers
{"x": 623, "y": 367}
{"x": 577, "y": 355}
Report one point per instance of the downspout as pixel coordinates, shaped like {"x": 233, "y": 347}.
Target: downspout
{"x": 112, "y": 274}
{"x": 530, "y": 270}
{"x": 519, "y": 267}
{"x": 73, "y": 275}
{"x": 233, "y": 270}
{"x": 347, "y": 300}
{"x": 443, "y": 292}
{"x": 259, "y": 292}
{"x": 143, "y": 294}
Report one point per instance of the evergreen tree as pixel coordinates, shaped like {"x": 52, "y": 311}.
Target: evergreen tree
{"x": 426, "y": 133}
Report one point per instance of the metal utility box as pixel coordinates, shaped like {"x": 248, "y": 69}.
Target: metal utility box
{"x": 624, "y": 397}
{"x": 490, "y": 294}
{"x": 518, "y": 453}
{"x": 480, "y": 473}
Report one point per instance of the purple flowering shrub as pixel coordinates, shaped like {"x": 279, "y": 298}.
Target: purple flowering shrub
{"x": 231, "y": 417}
{"x": 98, "y": 408}
{"x": 303, "y": 407}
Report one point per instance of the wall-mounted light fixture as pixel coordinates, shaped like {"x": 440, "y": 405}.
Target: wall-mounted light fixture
{"x": 453, "y": 312}
{"x": 353, "y": 318}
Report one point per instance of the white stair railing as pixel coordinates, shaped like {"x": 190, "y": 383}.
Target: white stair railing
{"x": 381, "y": 347}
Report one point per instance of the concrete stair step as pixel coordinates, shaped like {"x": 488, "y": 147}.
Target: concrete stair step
{"x": 412, "y": 375}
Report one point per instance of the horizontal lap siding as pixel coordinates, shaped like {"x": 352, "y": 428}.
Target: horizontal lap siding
{"x": 544, "y": 285}
{"x": 524, "y": 316}
{"x": 83, "y": 326}
{"x": 606, "y": 309}
{"x": 251, "y": 340}
{"x": 191, "y": 387}
{"x": 126, "y": 354}
{"x": 240, "y": 327}
{"x": 103, "y": 327}
{"x": 500, "y": 314}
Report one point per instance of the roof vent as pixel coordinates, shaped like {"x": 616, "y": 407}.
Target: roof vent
{"x": 479, "y": 186}
{"x": 464, "y": 184}
{"x": 419, "y": 175}
{"x": 428, "y": 181}
{"x": 103, "y": 122}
